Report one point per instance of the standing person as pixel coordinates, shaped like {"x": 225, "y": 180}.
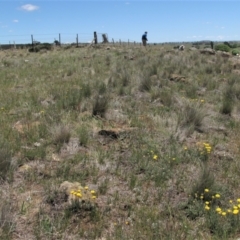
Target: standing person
{"x": 144, "y": 39}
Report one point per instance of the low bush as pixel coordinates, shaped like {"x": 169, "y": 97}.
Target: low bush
{"x": 235, "y": 52}
{"x": 222, "y": 47}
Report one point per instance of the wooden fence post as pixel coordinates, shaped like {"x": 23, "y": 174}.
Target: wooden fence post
{"x": 95, "y": 37}
{"x": 59, "y": 39}
{"x": 32, "y": 40}
{"x": 113, "y": 40}
{"x": 77, "y": 40}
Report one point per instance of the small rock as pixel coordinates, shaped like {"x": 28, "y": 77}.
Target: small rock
{"x": 208, "y": 51}
{"x": 37, "y": 144}
{"x": 24, "y": 168}
{"x": 55, "y": 158}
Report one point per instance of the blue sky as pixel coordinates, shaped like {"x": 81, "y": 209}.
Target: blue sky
{"x": 165, "y": 21}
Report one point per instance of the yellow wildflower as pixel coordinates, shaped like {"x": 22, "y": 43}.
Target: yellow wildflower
{"x": 218, "y": 209}
{"x": 235, "y": 207}
{"x": 155, "y": 157}
{"x": 93, "y": 197}
{"x": 224, "y": 213}
{"x": 174, "y": 159}
{"x": 230, "y": 201}
{"x": 235, "y": 211}
{"x": 79, "y": 195}
{"x": 217, "y": 195}
{"x": 185, "y": 148}
{"x": 238, "y": 200}
{"x": 86, "y": 188}
{"x": 206, "y": 190}
{"x": 207, "y": 207}
{"x": 93, "y": 192}
{"x": 207, "y": 203}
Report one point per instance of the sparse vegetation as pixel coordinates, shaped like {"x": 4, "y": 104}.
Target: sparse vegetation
{"x": 128, "y": 143}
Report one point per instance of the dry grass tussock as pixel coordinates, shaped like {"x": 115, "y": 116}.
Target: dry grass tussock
{"x": 145, "y": 139}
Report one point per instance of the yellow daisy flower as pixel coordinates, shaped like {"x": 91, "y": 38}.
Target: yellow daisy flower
{"x": 79, "y": 195}
{"x": 235, "y": 211}
{"x": 207, "y": 207}
{"x": 218, "y": 209}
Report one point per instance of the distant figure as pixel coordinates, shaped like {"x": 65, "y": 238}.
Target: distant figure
{"x": 144, "y": 39}
{"x": 211, "y": 45}
{"x": 57, "y": 43}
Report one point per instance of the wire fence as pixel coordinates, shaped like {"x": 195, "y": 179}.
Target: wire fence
{"x": 64, "y": 38}
{"x": 15, "y": 41}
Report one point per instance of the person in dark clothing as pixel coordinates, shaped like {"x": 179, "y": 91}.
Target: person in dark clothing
{"x": 144, "y": 39}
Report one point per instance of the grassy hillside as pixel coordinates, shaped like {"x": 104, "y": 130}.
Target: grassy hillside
{"x": 119, "y": 142}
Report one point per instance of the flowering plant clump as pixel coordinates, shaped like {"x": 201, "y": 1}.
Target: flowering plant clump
{"x": 233, "y": 207}
{"x": 83, "y": 194}
{"x": 204, "y": 149}
{"x": 207, "y": 147}
{"x": 222, "y": 218}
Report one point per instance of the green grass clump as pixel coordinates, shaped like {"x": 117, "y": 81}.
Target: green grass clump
{"x": 191, "y": 116}
{"x": 60, "y": 134}
{"x": 100, "y": 105}
{"x": 5, "y": 158}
